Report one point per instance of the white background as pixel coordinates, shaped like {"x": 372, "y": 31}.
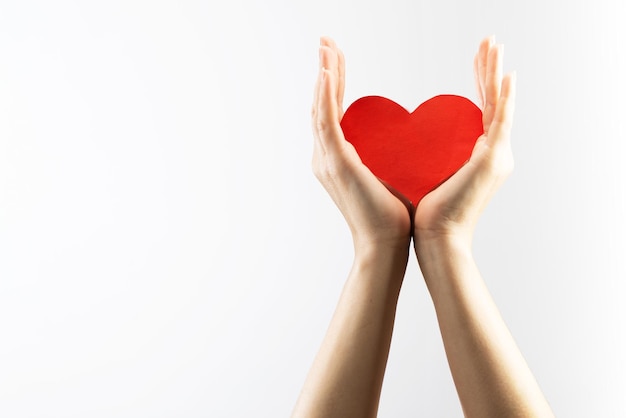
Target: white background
{"x": 165, "y": 250}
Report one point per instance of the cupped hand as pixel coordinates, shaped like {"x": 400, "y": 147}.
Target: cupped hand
{"x": 376, "y": 217}
{"x": 452, "y": 209}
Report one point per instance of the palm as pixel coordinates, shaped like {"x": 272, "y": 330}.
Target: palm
{"x": 373, "y": 208}
{"x": 446, "y": 208}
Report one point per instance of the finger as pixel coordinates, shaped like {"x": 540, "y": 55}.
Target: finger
{"x": 318, "y": 146}
{"x": 315, "y": 105}
{"x": 327, "y": 41}
{"x": 339, "y": 69}
{"x": 341, "y": 81}
{"x": 327, "y": 122}
{"x": 493, "y": 81}
{"x": 325, "y": 58}
{"x": 500, "y": 131}
{"x": 317, "y": 82}
{"x": 483, "y": 51}
{"x": 331, "y": 59}
{"x": 479, "y": 90}
{"x": 320, "y": 65}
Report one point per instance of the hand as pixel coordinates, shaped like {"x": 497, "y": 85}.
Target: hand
{"x": 453, "y": 209}
{"x": 376, "y": 217}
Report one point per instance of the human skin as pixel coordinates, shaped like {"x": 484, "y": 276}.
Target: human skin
{"x": 346, "y": 377}
{"x": 490, "y": 374}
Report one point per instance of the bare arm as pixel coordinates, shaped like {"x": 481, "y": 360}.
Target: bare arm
{"x": 346, "y": 377}
{"x": 490, "y": 374}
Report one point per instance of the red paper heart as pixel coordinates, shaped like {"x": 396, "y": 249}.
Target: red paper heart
{"x": 413, "y": 152}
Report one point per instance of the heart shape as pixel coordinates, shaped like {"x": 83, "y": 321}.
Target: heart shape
{"x": 413, "y": 152}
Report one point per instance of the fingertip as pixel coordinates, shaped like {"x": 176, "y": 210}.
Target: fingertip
{"x": 483, "y": 50}
{"x": 496, "y": 50}
{"x": 508, "y": 84}
{"x": 328, "y": 41}
{"x": 512, "y": 76}
{"x": 487, "y": 41}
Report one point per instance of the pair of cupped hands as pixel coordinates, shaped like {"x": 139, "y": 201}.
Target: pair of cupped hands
{"x": 379, "y": 218}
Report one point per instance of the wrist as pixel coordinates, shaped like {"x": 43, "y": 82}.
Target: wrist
{"x": 382, "y": 253}
{"x": 367, "y": 246}
{"x": 434, "y": 252}
{"x": 430, "y": 243}
{"x": 384, "y": 261}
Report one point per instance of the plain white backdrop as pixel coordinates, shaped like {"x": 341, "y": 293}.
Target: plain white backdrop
{"x": 165, "y": 250}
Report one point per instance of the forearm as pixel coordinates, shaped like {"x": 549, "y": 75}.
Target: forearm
{"x": 489, "y": 371}
{"x": 346, "y": 377}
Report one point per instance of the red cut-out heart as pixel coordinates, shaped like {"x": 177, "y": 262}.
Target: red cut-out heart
{"x": 413, "y": 152}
